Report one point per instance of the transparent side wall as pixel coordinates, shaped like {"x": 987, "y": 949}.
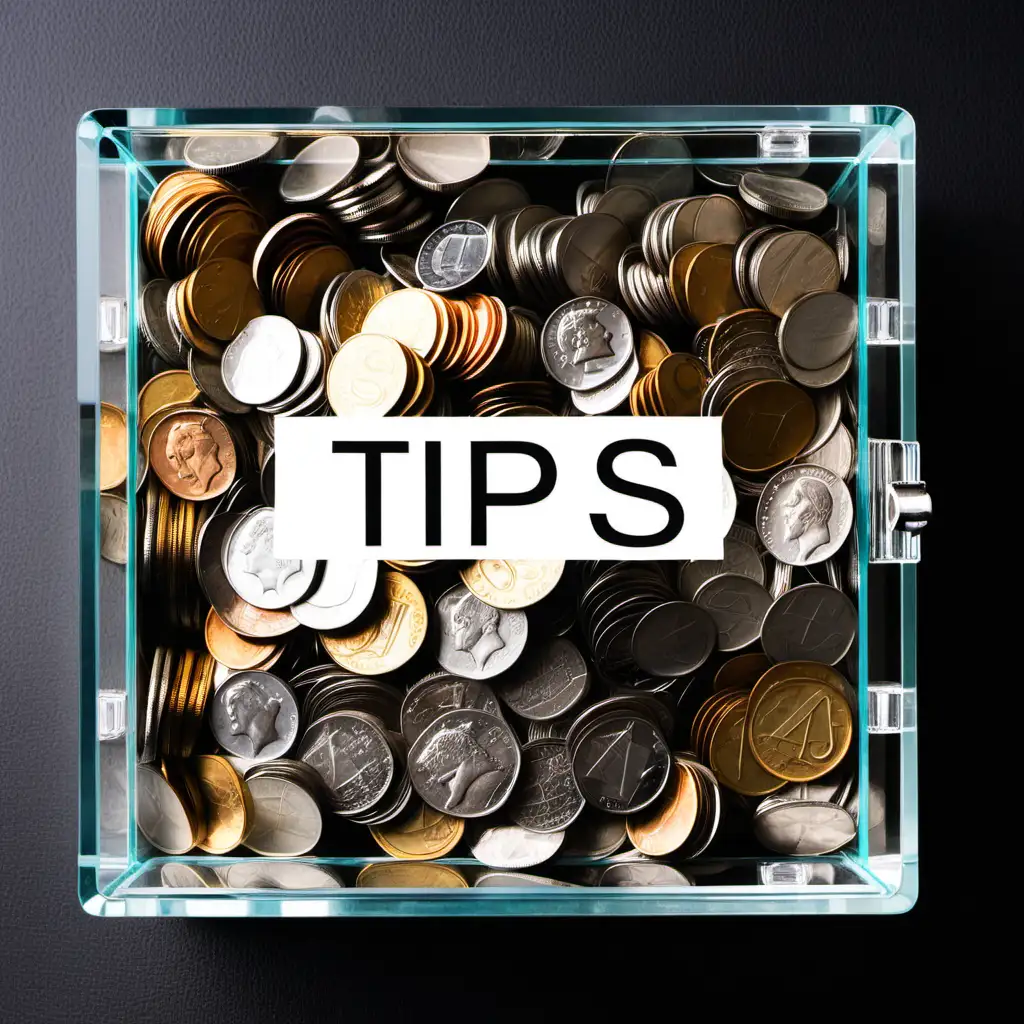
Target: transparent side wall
{"x": 863, "y": 156}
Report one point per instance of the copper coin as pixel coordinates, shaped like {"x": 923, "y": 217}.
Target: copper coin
{"x": 679, "y": 383}
{"x": 193, "y": 454}
{"x": 229, "y": 808}
{"x": 650, "y": 350}
{"x": 766, "y": 424}
{"x": 709, "y": 288}
{"x": 223, "y": 297}
{"x": 230, "y": 649}
{"x": 113, "y": 466}
{"x": 677, "y": 271}
{"x": 732, "y": 760}
{"x": 663, "y": 828}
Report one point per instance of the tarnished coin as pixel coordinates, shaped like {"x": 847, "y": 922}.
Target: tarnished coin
{"x": 789, "y": 265}
{"x": 465, "y": 763}
{"x": 546, "y": 797}
{"x": 512, "y": 583}
{"x": 813, "y": 622}
{"x": 483, "y": 199}
{"x": 395, "y": 875}
{"x": 435, "y": 696}
{"x": 818, "y": 329}
{"x": 229, "y": 809}
{"x": 765, "y": 424}
{"x": 443, "y": 163}
{"x": 642, "y": 873}
{"x": 453, "y": 255}
{"x": 343, "y": 595}
{"x": 785, "y": 198}
{"x": 421, "y": 834}
{"x": 477, "y": 640}
{"x": 263, "y": 361}
{"x": 738, "y": 606}
{"x": 114, "y": 529}
{"x": 586, "y": 342}
{"x": 193, "y": 454}
{"x": 800, "y": 828}
{"x": 546, "y": 682}
{"x": 255, "y": 715}
{"x": 588, "y": 252}
{"x": 661, "y": 163}
{"x": 512, "y": 846}
{"x": 113, "y": 466}
{"x": 286, "y": 818}
{"x": 326, "y": 165}
{"x": 222, "y": 154}
{"x": 160, "y": 813}
{"x": 673, "y": 639}
{"x": 663, "y": 828}
{"x": 804, "y": 514}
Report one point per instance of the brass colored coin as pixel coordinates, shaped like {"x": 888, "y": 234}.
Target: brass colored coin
{"x": 358, "y": 293}
{"x": 223, "y": 298}
{"x": 679, "y": 382}
{"x": 391, "y": 641}
{"x": 113, "y": 447}
{"x": 742, "y": 671}
{"x": 766, "y": 424}
{"x": 421, "y": 834}
{"x": 790, "y": 265}
{"x": 408, "y": 316}
{"x": 308, "y": 278}
{"x": 367, "y": 376}
{"x": 677, "y": 271}
{"x": 662, "y": 829}
{"x": 512, "y": 583}
{"x": 709, "y": 288}
{"x": 732, "y": 760}
{"x": 195, "y": 707}
{"x": 165, "y": 391}
{"x": 650, "y": 350}
{"x": 230, "y": 649}
{"x": 193, "y": 454}
{"x": 409, "y": 875}
{"x": 229, "y": 808}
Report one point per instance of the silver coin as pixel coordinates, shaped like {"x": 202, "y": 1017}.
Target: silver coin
{"x": 263, "y": 361}
{"x": 323, "y": 167}
{"x": 256, "y": 874}
{"x": 221, "y": 154}
{"x": 160, "y": 814}
{"x": 739, "y": 556}
{"x": 837, "y": 453}
{"x": 642, "y": 873}
{"x": 628, "y": 204}
{"x": 401, "y": 267}
{"x": 343, "y": 595}
{"x": 153, "y": 319}
{"x": 586, "y": 342}
{"x": 475, "y": 640}
{"x": 785, "y": 198}
{"x": 546, "y": 798}
{"x": 661, "y": 163}
{"x": 515, "y": 880}
{"x": 804, "y": 514}
{"x": 822, "y": 378}
{"x": 255, "y": 715}
{"x": 546, "y": 682}
{"x": 253, "y": 570}
{"x": 433, "y": 697}
{"x": 789, "y": 265}
{"x": 828, "y": 407}
{"x": 286, "y": 822}
{"x": 611, "y": 395}
{"x": 453, "y": 255}
{"x": 443, "y": 163}
{"x": 175, "y": 875}
{"x": 482, "y": 200}
{"x": 802, "y": 828}
{"x": 813, "y": 622}
{"x": 114, "y": 529}
{"x": 738, "y": 605}
{"x": 353, "y": 758}
{"x": 818, "y": 329}
{"x": 510, "y": 846}
{"x": 207, "y": 376}
{"x": 587, "y": 254}
{"x": 673, "y": 639}
{"x": 465, "y": 763}
{"x": 595, "y": 835}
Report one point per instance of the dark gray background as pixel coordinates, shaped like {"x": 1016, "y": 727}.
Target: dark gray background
{"x": 952, "y": 65}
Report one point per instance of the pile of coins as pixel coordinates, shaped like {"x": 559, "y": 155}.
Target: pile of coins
{"x": 519, "y": 712}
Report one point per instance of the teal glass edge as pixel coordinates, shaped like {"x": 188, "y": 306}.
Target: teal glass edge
{"x": 873, "y": 123}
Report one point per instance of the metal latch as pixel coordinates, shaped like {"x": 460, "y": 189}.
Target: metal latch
{"x": 113, "y": 323}
{"x": 891, "y": 709}
{"x": 784, "y": 141}
{"x": 111, "y": 715}
{"x": 900, "y": 503}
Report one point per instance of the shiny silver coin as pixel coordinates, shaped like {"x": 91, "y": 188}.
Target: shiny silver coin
{"x": 263, "y": 361}
{"x": 343, "y": 595}
{"x": 312, "y": 372}
{"x": 738, "y": 605}
{"x": 673, "y": 639}
{"x": 453, "y": 255}
{"x": 475, "y": 640}
{"x": 255, "y": 715}
{"x": 594, "y": 835}
{"x": 837, "y": 453}
{"x": 256, "y": 573}
{"x": 813, "y": 622}
{"x": 515, "y": 880}
{"x": 818, "y": 329}
{"x": 401, "y": 267}
{"x": 511, "y": 846}
{"x": 547, "y": 682}
{"x": 160, "y": 814}
{"x": 155, "y": 323}
{"x": 114, "y": 529}
{"x": 322, "y": 168}
{"x": 642, "y": 873}
{"x": 587, "y": 254}
{"x": 609, "y": 396}
{"x": 222, "y": 154}
{"x": 546, "y": 797}
{"x": 255, "y": 874}
{"x": 661, "y": 163}
{"x": 586, "y": 342}
{"x": 465, "y": 763}
{"x": 484, "y": 199}
{"x": 785, "y": 198}
{"x": 804, "y": 514}
{"x": 438, "y": 694}
{"x": 802, "y": 828}
{"x": 443, "y": 163}
{"x": 286, "y": 821}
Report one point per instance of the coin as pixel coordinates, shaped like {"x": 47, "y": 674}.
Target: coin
{"x": 650, "y": 350}
{"x": 408, "y": 316}
{"x": 836, "y": 454}
{"x": 263, "y": 361}
{"x": 512, "y": 846}
{"x": 659, "y": 163}
{"x": 628, "y": 204}
{"x": 588, "y": 253}
{"x": 642, "y": 873}
{"x": 818, "y": 329}
{"x": 420, "y": 834}
{"x": 453, "y": 255}
{"x": 546, "y": 682}
{"x": 443, "y": 163}
{"x": 223, "y": 154}
{"x": 344, "y": 593}
{"x": 801, "y": 828}
{"x": 326, "y": 165}
{"x": 673, "y": 639}
{"x": 516, "y": 583}
{"x": 392, "y": 875}
{"x": 166, "y": 391}
{"x": 477, "y": 640}
{"x": 390, "y": 641}
{"x": 255, "y": 715}
{"x": 812, "y": 622}
{"x": 465, "y": 763}
{"x": 114, "y": 529}
{"x": 585, "y": 343}
{"x": 193, "y": 455}
{"x": 222, "y": 298}
{"x": 113, "y": 466}
{"x": 738, "y": 605}
{"x": 254, "y": 874}
{"x": 678, "y": 383}
{"x": 355, "y": 296}
{"x": 663, "y": 828}
{"x": 710, "y": 292}
{"x": 438, "y": 694}
{"x": 741, "y": 672}
{"x": 594, "y": 834}
{"x": 231, "y": 650}
{"x": 229, "y": 810}
{"x": 516, "y": 880}
{"x": 790, "y": 265}
{"x": 286, "y": 818}
{"x": 368, "y": 376}
{"x": 804, "y": 514}
{"x": 731, "y": 758}
{"x": 546, "y": 797}
{"x": 160, "y": 813}
{"x": 484, "y": 199}
{"x": 765, "y": 424}
{"x": 786, "y": 198}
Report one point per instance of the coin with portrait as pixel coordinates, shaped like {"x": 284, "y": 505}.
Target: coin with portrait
{"x": 477, "y": 640}
{"x": 193, "y": 454}
{"x": 255, "y": 715}
{"x": 586, "y": 342}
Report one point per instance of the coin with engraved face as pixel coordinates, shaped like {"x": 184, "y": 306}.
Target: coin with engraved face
{"x": 254, "y": 715}
{"x": 586, "y": 342}
{"x": 477, "y": 640}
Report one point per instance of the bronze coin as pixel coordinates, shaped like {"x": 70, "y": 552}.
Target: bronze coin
{"x": 766, "y": 424}
{"x": 709, "y": 288}
{"x": 193, "y": 454}
{"x": 113, "y": 466}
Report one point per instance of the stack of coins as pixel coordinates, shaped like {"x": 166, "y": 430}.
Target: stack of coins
{"x": 674, "y": 387}
{"x": 178, "y": 688}
{"x": 346, "y": 302}
{"x": 286, "y": 812}
{"x": 646, "y": 292}
{"x": 374, "y": 375}
{"x": 514, "y": 398}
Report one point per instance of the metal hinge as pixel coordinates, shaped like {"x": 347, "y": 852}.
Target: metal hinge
{"x": 891, "y": 709}
{"x": 900, "y": 503}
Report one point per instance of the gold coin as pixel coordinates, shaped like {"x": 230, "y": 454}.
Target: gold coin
{"x": 168, "y": 389}
{"x": 113, "y": 446}
{"x": 410, "y": 875}
{"x": 742, "y": 671}
{"x": 231, "y": 650}
{"x": 307, "y": 280}
{"x": 732, "y": 760}
{"x": 512, "y": 583}
{"x": 367, "y": 376}
{"x": 408, "y": 316}
{"x": 229, "y": 809}
{"x": 422, "y": 834}
{"x": 659, "y": 831}
{"x": 650, "y": 351}
{"x": 679, "y": 382}
{"x": 223, "y": 298}
{"x": 193, "y": 454}
{"x": 358, "y": 293}
{"x": 391, "y": 641}
{"x": 677, "y": 271}
{"x": 766, "y": 424}
{"x": 709, "y": 287}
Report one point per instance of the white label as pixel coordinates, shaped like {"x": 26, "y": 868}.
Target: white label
{"x": 608, "y": 487}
